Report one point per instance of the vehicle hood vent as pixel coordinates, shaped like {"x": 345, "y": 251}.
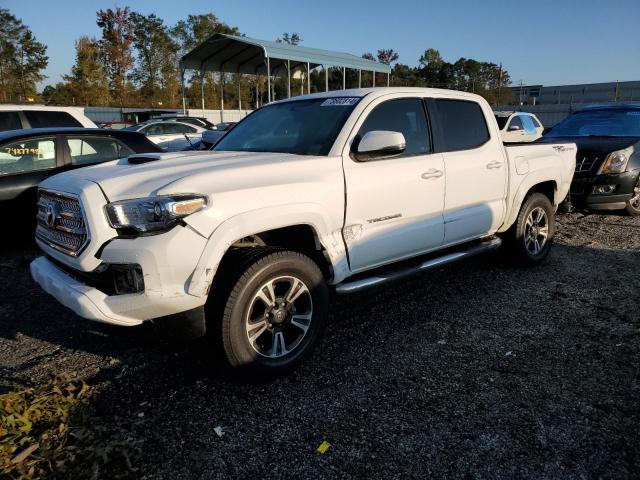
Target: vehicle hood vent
{"x": 140, "y": 159}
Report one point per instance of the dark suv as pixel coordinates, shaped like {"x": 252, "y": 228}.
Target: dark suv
{"x": 608, "y": 160}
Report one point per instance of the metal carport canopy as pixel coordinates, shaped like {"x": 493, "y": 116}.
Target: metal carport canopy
{"x": 233, "y": 54}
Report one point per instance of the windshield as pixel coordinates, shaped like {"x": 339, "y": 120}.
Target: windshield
{"x": 303, "y": 127}
{"x": 599, "y": 123}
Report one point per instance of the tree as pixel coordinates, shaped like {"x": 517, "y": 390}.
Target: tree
{"x": 156, "y": 71}
{"x": 387, "y": 56}
{"x": 88, "y": 83}
{"x": 58, "y": 95}
{"x": 192, "y": 32}
{"x": 292, "y": 38}
{"x": 22, "y": 59}
{"x": 116, "y": 41}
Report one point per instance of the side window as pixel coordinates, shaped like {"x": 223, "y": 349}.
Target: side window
{"x": 536, "y": 122}
{"x": 48, "y": 118}
{"x": 87, "y": 150}
{"x": 529, "y": 126}
{"x": 462, "y": 124}
{"x": 27, "y": 156}
{"x": 176, "y": 128}
{"x": 154, "y": 129}
{"x": 405, "y": 115}
{"x": 516, "y": 122}
{"x": 10, "y": 121}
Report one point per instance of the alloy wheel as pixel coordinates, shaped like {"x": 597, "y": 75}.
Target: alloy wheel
{"x": 279, "y": 316}
{"x": 536, "y": 231}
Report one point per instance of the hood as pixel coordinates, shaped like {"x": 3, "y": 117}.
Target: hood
{"x": 592, "y": 151}
{"x": 184, "y": 172}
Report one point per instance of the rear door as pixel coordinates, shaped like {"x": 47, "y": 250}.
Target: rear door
{"x": 393, "y": 204}
{"x": 475, "y": 166}
{"x": 514, "y": 131}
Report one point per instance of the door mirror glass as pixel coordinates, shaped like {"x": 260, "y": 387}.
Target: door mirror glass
{"x": 381, "y": 143}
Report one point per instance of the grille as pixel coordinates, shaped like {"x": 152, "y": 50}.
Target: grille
{"x": 61, "y": 223}
{"x": 585, "y": 163}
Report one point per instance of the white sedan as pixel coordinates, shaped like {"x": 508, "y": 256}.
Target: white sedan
{"x": 518, "y": 126}
{"x": 170, "y": 135}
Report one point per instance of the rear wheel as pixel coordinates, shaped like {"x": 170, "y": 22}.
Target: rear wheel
{"x": 633, "y": 204}
{"x": 275, "y": 313}
{"x": 529, "y": 239}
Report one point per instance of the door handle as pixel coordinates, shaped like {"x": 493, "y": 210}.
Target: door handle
{"x": 432, "y": 173}
{"x": 494, "y": 164}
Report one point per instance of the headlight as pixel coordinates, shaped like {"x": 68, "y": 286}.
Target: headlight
{"x": 616, "y": 162}
{"x": 153, "y": 214}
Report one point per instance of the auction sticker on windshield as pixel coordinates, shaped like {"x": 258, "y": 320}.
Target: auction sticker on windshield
{"x": 340, "y": 102}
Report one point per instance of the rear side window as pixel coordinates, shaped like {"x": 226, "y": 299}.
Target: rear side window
{"x": 529, "y": 126}
{"x": 48, "y": 118}
{"x": 535, "y": 121}
{"x": 10, "y": 121}
{"x": 404, "y": 115}
{"x": 462, "y": 124}
{"x": 87, "y": 150}
{"x": 27, "y": 156}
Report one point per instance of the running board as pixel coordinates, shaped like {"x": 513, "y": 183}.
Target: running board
{"x": 381, "y": 278}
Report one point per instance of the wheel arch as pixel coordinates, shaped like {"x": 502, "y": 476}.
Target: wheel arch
{"x": 305, "y": 230}
{"x": 546, "y": 186}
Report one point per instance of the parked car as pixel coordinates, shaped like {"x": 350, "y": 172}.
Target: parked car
{"x": 519, "y": 126}
{"x": 224, "y": 126}
{"x": 29, "y": 156}
{"x": 197, "y": 121}
{"x": 115, "y": 125}
{"x": 18, "y": 117}
{"x": 170, "y": 135}
{"x": 341, "y": 190}
{"x": 608, "y": 161}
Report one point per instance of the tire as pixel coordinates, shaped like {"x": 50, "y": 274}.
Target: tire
{"x": 633, "y": 204}
{"x": 530, "y": 238}
{"x": 275, "y": 313}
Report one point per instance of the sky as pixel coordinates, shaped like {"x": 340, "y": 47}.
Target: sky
{"x": 549, "y": 42}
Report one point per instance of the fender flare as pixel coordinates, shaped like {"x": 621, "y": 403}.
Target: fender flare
{"x": 265, "y": 219}
{"x": 532, "y": 180}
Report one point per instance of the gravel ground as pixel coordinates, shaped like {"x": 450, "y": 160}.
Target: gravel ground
{"x": 476, "y": 370}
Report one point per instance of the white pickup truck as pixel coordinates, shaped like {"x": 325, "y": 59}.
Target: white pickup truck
{"x": 331, "y": 192}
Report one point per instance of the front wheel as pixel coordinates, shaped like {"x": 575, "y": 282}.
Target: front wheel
{"x": 275, "y": 313}
{"x": 633, "y": 204}
{"x": 529, "y": 239}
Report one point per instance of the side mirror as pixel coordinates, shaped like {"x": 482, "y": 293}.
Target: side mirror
{"x": 380, "y": 143}
{"x": 514, "y": 128}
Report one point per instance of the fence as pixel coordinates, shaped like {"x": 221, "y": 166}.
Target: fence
{"x": 114, "y": 114}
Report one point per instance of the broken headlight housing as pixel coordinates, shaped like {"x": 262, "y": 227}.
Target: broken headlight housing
{"x": 153, "y": 214}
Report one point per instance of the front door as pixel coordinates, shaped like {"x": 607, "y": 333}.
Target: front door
{"x": 394, "y": 204}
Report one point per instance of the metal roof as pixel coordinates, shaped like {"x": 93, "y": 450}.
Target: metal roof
{"x": 233, "y": 54}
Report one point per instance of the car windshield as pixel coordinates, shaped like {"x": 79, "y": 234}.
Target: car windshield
{"x": 599, "y": 123}
{"x": 303, "y": 127}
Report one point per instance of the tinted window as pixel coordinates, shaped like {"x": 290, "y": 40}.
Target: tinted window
{"x": 27, "y": 156}
{"x": 10, "y": 121}
{"x": 303, "y": 127}
{"x": 502, "y": 121}
{"x": 462, "y": 124}
{"x": 88, "y": 150}
{"x": 45, "y": 118}
{"x": 607, "y": 123}
{"x": 529, "y": 126}
{"x": 176, "y": 128}
{"x": 535, "y": 121}
{"x": 154, "y": 129}
{"x": 516, "y": 122}
{"x": 406, "y": 116}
